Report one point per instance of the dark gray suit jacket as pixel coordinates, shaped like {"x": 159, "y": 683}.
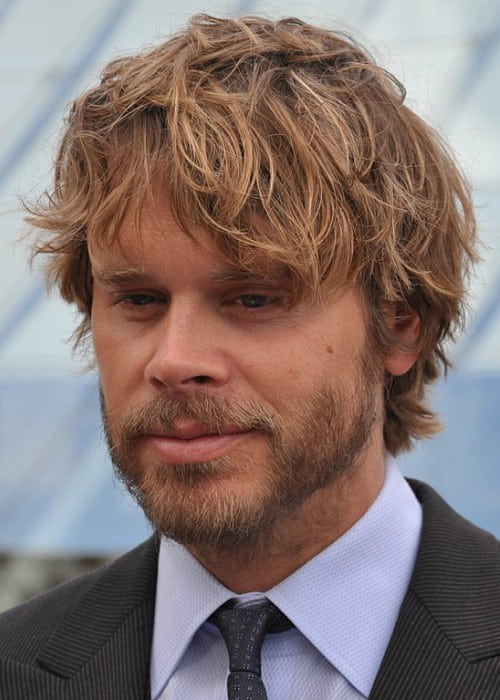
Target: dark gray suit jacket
{"x": 90, "y": 639}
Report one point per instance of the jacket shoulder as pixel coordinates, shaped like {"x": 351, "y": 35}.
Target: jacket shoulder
{"x": 457, "y": 577}
{"x": 446, "y": 642}
{"x": 25, "y": 628}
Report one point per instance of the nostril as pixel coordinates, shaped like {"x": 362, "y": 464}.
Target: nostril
{"x": 200, "y": 379}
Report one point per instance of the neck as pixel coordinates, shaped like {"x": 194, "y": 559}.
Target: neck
{"x": 298, "y": 536}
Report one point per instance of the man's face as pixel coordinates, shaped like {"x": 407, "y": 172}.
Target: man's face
{"x": 224, "y": 408}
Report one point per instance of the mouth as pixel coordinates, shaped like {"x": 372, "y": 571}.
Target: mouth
{"x": 191, "y": 443}
{"x": 193, "y": 431}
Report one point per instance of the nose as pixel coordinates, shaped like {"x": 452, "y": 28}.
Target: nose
{"x": 187, "y": 352}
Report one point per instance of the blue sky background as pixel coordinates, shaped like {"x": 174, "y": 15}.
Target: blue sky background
{"x": 57, "y": 494}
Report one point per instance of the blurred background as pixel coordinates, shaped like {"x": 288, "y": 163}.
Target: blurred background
{"x": 60, "y": 509}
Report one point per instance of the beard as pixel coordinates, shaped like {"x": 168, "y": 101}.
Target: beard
{"x": 207, "y": 504}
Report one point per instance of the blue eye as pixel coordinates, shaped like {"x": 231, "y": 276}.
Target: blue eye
{"x": 140, "y": 299}
{"x": 254, "y": 301}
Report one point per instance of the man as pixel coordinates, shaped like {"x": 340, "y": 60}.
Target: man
{"x": 268, "y": 250}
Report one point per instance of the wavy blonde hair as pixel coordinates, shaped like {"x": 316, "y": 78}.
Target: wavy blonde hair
{"x": 249, "y": 120}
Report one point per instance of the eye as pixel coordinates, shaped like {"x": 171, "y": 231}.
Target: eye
{"x": 139, "y": 299}
{"x": 254, "y": 301}
{"x": 140, "y": 305}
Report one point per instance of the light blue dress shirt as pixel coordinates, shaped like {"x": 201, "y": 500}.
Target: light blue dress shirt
{"x": 343, "y": 603}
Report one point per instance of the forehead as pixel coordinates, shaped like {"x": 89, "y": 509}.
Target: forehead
{"x": 149, "y": 235}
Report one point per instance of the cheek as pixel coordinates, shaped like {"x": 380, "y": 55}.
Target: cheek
{"x": 288, "y": 376}
{"x": 120, "y": 368}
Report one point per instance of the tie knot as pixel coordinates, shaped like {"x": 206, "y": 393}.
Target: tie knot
{"x": 244, "y": 629}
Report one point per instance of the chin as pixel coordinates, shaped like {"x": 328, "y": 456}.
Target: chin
{"x": 203, "y": 505}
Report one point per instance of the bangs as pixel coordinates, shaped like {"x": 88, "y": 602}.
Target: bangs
{"x": 286, "y": 144}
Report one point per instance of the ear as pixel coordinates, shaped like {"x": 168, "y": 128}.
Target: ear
{"x": 406, "y": 327}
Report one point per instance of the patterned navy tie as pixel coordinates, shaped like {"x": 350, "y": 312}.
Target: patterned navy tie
{"x": 244, "y": 629}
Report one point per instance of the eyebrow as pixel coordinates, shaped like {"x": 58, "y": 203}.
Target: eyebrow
{"x": 115, "y": 276}
{"x": 235, "y": 275}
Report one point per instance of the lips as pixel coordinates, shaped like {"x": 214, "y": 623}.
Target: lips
{"x": 190, "y": 443}
{"x": 193, "y": 431}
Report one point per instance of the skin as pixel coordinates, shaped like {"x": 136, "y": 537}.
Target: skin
{"x": 170, "y": 316}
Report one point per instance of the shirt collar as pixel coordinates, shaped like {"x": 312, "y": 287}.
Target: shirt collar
{"x": 186, "y": 596}
{"x": 345, "y": 600}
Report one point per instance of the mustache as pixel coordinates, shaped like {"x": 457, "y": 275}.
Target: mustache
{"x": 163, "y": 413}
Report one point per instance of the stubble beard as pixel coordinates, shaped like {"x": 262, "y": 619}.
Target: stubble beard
{"x": 188, "y": 502}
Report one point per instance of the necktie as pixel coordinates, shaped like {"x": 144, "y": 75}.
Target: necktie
{"x": 243, "y": 630}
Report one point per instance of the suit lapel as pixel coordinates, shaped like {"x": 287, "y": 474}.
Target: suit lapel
{"x": 446, "y": 643}
{"x": 447, "y": 636}
{"x": 105, "y": 639}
